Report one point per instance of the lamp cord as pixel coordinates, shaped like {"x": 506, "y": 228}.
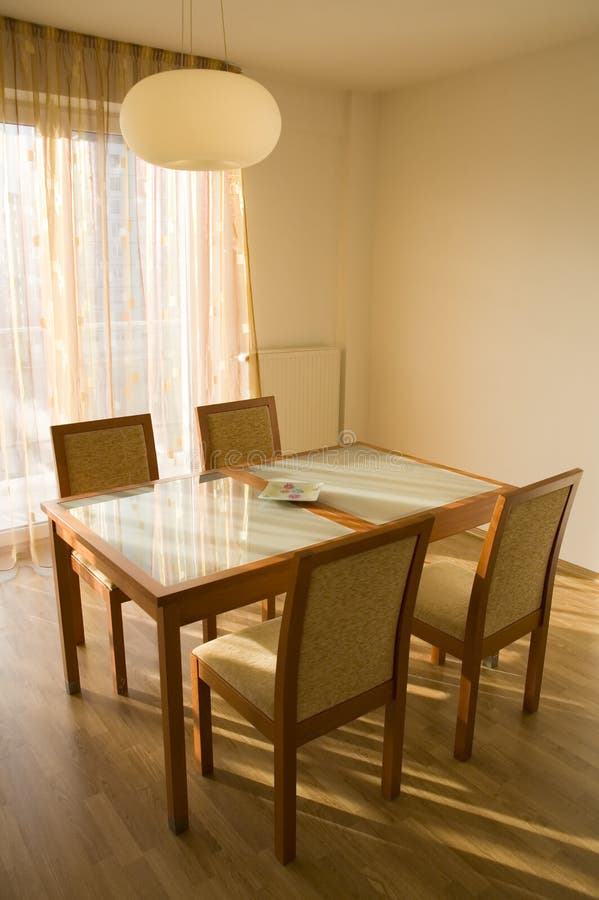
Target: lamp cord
{"x": 183, "y": 28}
{"x": 222, "y": 18}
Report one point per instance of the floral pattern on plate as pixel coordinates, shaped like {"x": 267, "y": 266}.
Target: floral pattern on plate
{"x": 291, "y": 490}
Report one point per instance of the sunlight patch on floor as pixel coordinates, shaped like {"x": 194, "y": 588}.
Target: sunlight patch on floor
{"x": 498, "y": 817}
{"x": 433, "y": 693}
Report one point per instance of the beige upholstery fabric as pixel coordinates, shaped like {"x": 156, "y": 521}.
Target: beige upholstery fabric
{"x": 106, "y": 458}
{"x": 518, "y": 577}
{"x": 350, "y": 625}
{"x": 519, "y": 574}
{"x": 95, "y": 572}
{"x": 347, "y": 641}
{"x": 444, "y": 596}
{"x": 239, "y": 436}
{"x": 248, "y": 661}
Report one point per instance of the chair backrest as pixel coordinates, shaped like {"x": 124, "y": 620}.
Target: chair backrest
{"x": 104, "y": 453}
{"x": 517, "y": 565}
{"x": 243, "y": 431}
{"x": 348, "y": 617}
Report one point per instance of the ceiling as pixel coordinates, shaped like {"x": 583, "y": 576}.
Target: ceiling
{"x": 366, "y": 45}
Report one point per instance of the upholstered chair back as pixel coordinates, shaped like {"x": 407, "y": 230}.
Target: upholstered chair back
{"x": 113, "y": 453}
{"x": 233, "y": 434}
{"x": 350, "y": 625}
{"x": 523, "y": 552}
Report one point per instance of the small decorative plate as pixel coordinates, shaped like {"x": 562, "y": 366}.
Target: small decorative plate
{"x": 291, "y": 490}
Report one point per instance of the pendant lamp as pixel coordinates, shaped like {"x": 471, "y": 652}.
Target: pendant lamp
{"x": 200, "y": 119}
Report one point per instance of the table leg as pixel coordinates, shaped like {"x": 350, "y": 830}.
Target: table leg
{"x": 77, "y": 609}
{"x": 66, "y": 604}
{"x": 173, "y": 731}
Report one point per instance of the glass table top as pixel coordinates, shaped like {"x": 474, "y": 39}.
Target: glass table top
{"x": 375, "y": 485}
{"x": 190, "y": 527}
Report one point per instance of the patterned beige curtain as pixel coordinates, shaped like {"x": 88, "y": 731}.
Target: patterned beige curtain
{"x": 124, "y": 287}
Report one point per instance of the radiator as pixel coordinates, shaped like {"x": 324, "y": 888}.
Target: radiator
{"x": 305, "y": 384}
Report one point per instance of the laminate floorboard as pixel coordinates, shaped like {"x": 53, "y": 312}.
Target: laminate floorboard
{"x": 82, "y": 806}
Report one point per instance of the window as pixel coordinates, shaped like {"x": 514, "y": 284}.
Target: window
{"x": 124, "y": 287}
{"x": 126, "y": 291}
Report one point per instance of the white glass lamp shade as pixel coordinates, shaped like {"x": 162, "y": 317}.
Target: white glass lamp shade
{"x": 200, "y": 120}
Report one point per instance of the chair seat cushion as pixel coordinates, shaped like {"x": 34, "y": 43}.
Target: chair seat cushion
{"x": 95, "y": 572}
{"x": 247, "y": 660}
{"x": 444, "y": 596}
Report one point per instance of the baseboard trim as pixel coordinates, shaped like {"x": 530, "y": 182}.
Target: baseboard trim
{"x": 568, "y": 568}
{"x": 563, "y": 566}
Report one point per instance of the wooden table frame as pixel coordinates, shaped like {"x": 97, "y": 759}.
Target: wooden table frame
{"x": 452, "y": 518}
{"x": 174, "y": 606}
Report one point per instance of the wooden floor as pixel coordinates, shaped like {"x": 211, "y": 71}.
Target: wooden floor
{"x": 82, "y": 795}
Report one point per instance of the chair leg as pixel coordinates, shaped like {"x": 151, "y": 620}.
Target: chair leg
{"x": 117, "y": 641}
{"x": 208, "y": 629}
{"x": 285, "y": 801}
{"x": 468, "y": 697}
{"x": 437, "y": 656}
{"x": 395, "y": 714}
{"x": 202, "y": 720}
{"x": 268, "y": 608}
{"x": 534, "y": 669}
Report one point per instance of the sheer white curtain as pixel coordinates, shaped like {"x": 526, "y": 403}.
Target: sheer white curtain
{"x": 124, "y": 287}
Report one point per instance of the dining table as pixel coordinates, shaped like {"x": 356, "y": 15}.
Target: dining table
{"x": 190, "y": 547}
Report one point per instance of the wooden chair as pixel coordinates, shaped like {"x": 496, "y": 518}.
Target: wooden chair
{"x": 340, "y": 649}
{"x": 474, "y": 615}
{"x": 237, "y": 433}
{"x": 240, "y": 432}
{"x": 97, "y": 456}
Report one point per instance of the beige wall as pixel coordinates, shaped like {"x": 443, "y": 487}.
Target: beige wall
{"x": 485, "y": 307}
{"x": 356, "y": 224}
{"x": 293, "y": 199}
{"x": 466, "y": 300}
{"x": 309, "y": 211}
